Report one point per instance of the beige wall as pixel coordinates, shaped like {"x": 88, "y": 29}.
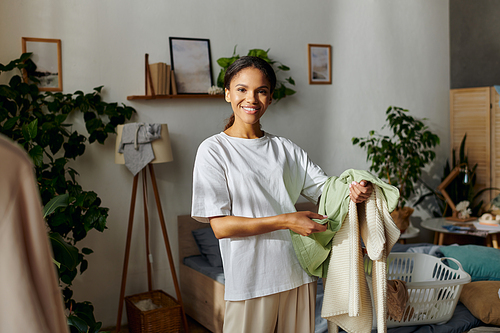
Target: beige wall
{"x": 385, "y": 52}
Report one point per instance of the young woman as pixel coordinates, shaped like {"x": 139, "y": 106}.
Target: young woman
{"x": 245, "y": 183}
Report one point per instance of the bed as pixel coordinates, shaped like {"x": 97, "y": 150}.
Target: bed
{"x": 202, "y": 285}
{"x": 202, "y": 293}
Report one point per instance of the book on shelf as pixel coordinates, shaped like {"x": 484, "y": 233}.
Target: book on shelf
{"x": 172, "y": 83}
{"x": 154, "y": 72}
{"x": 160, "y": 78}
{"x": 167, "y": 80}
{"x": 161, "y": 81}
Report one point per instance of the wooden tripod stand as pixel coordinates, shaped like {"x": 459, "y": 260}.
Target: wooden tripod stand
{"x": 165, "y": 237}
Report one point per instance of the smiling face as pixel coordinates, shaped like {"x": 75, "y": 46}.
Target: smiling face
{"x": 249, "y": 94}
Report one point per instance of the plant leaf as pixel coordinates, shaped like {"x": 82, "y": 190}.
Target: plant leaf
{"x": 56, "y": 202}
{"x": 86, "y": 250}
{"x": 36, "y": 154}
{"x": 58, "y": 264}
{"x": 259, "y": 53}
{"x": 30, "y": 130}
{"x": 64, "y": 252}
{"x": 10, "y": 123}
{"x": 83, "y": 266}
{"x": 78, "y": 323}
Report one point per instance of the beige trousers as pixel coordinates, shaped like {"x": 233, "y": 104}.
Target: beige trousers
{"x": 290, "y": 311}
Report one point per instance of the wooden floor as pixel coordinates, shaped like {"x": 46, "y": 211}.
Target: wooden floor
{"x": 194, "y": 327}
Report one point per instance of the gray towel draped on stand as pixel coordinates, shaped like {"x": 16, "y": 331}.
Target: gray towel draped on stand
{"x": 135, "y": 144}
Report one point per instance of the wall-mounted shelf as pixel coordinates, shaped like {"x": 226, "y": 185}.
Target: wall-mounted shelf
{"x": 183, "y": 96}
{"x": 150, "y": 91}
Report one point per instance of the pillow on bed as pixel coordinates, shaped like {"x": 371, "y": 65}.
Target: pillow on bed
{"x": 481, "y": 262}
{"x": 208, "y": 245}
{"x": 482, "y": 298}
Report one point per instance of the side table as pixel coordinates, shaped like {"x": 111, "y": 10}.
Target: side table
{"x": 410, "y": 232}
{"x": 436, "y": 225}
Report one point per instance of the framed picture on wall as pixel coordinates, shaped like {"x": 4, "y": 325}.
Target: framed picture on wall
{"x": 47, "y": 58}
{"x": 192, "y": 64}
{"x": 320, "y": 63}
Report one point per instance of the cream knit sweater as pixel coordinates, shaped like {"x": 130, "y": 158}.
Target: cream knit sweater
{"x": 347, "y": 302}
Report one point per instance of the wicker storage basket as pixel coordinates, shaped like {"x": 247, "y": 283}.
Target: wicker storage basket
{"x": 433, "y": 287}
{"x": 166, "y": 318}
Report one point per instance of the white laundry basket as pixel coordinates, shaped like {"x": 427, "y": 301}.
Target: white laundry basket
{"x": 433, "y": 287}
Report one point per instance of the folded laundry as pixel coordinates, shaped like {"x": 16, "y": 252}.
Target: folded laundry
{"x": 458, "y": 228}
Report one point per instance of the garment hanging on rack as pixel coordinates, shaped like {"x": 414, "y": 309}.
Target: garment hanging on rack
{"x": 135, "y": 144}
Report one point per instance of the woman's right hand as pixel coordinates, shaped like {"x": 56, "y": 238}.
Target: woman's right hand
{"x": 236, "y": 226}
{"x": 302, "y": 223}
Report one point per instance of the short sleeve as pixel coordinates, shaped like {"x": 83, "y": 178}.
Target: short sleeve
{"x": 210, "y": 190}
{"x": 314, "y": 181}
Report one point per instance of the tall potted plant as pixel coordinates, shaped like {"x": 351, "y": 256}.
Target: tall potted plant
{"x": 400, "y": 157}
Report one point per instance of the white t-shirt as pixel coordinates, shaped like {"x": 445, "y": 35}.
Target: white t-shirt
{"x": 255, "y": 178}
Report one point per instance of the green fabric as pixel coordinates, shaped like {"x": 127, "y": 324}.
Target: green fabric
{"x": 313, "y": 251}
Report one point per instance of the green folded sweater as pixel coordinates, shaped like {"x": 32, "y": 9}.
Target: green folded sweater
{"x": 313, "y": 251}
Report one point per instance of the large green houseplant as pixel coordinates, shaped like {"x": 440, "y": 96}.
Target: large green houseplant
{"x": 401, "y": 156}
{"x": 282, "y": 89}
{"x": 39, "y": 122}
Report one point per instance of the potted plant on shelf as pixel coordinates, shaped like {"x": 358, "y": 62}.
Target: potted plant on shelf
{"x": 400, "y": 157}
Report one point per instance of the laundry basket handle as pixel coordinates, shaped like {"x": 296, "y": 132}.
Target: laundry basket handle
{"x": 455, "y": 261}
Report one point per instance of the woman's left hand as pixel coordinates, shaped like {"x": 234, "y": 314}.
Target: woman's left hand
{"x": 360, "y": 192}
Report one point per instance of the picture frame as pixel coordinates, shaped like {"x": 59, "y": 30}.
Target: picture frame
{"x": 320, "y": 63}
{"x": 191, "y": 62}
{"x": 47, "y": 57}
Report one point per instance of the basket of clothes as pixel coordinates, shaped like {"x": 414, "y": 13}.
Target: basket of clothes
{"x": 433, "y": 285}
{"x": 152, "y": 312}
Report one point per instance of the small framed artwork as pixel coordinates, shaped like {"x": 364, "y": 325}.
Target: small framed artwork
{"x": 192, "y": 64}
{"x": 47, "y": 58}
{"x": 320, "y": 63}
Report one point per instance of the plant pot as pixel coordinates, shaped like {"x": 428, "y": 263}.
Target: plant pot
{"x": 401, "y": 217}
